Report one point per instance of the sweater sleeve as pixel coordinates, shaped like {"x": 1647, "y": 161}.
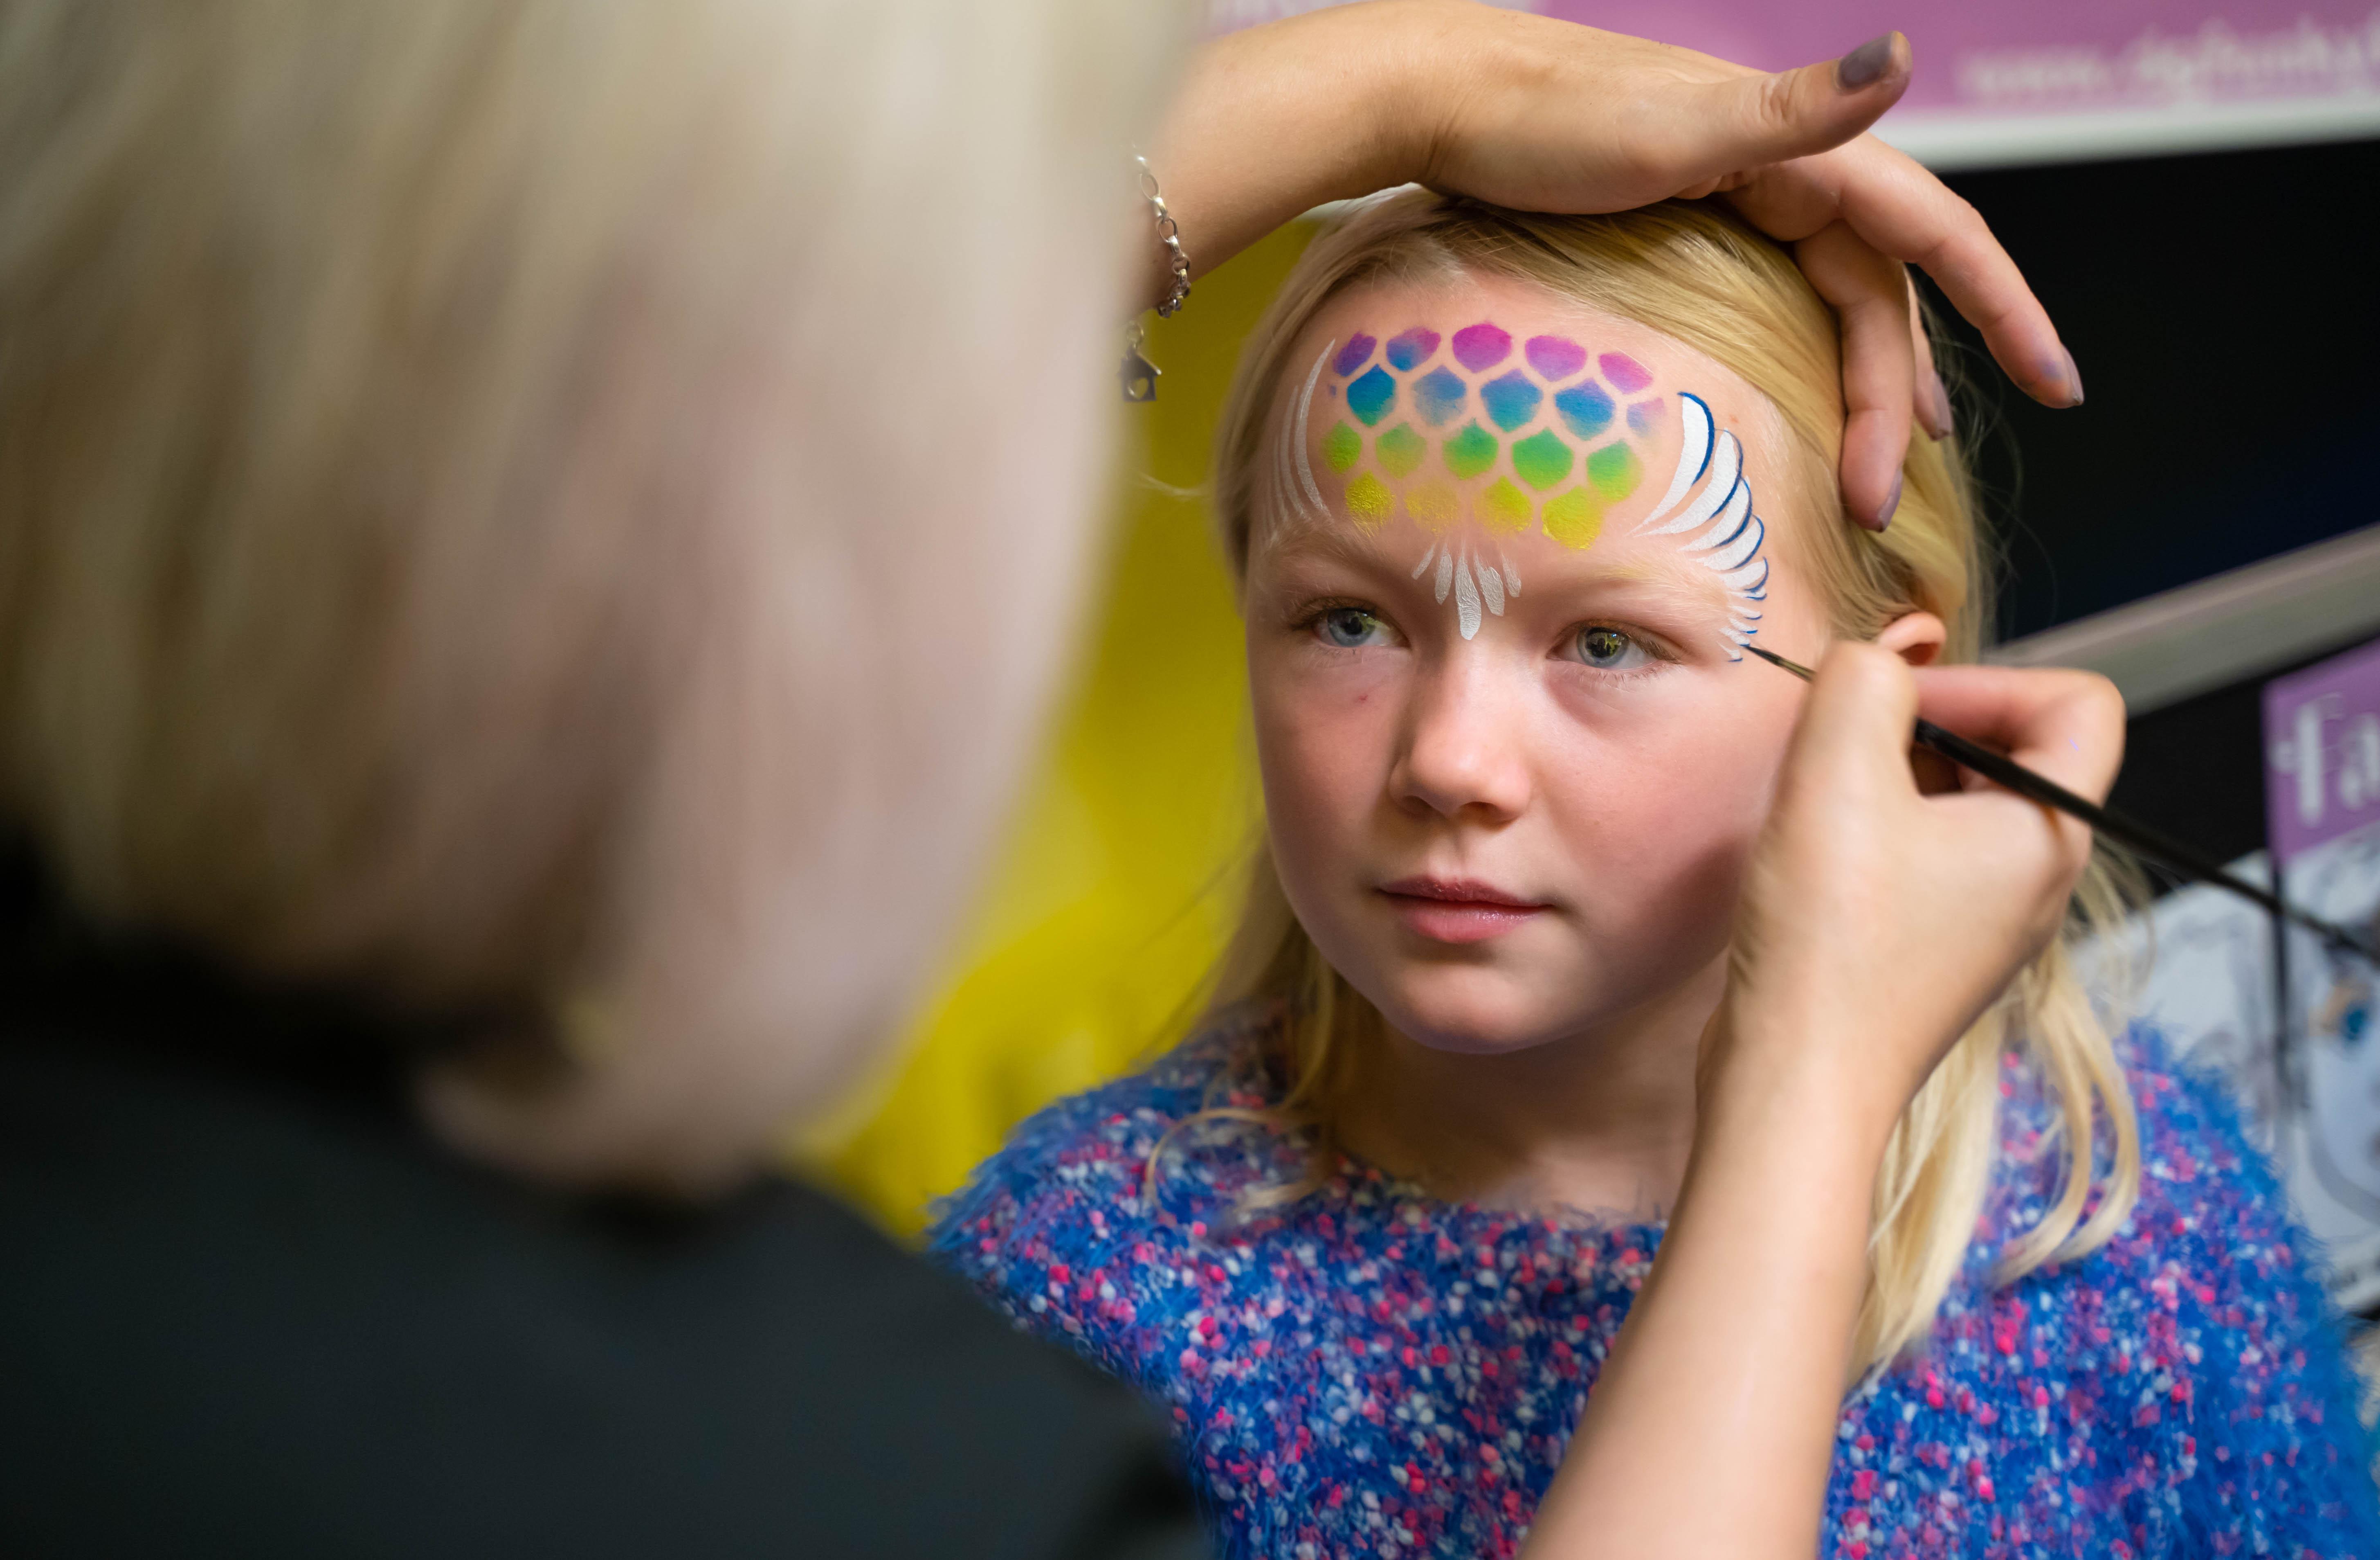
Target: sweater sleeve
{"x": 1054, "y": 1230}
{"x": 2247, "y": 1376}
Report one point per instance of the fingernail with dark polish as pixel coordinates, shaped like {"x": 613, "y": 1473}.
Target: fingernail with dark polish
{"x": 1938, "y": 423}
{"x": 1864, "y": 66}
{"x": 1891, "y": 503}
{"x": 2073, "y": 381}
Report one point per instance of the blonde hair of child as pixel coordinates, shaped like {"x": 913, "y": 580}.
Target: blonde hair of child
{"x": 1695, "y": 274}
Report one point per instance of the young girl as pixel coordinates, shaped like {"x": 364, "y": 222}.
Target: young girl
{"x": 1509, "y": 499}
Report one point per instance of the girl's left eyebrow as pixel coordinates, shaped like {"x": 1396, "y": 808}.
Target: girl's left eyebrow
{"x": 1667, "y": 576}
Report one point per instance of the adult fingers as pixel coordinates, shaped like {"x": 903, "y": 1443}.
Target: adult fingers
{"x": 2065, "y": 726}
{"x": 1933, "y": 400}
{"x": 1870, "y": 296}
{"x": 1746, "y": 121}
{"x": 1903, "y": 211}
{"x": 1853, "y": 733}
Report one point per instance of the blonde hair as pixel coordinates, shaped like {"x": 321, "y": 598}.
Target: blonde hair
{"x": 463, "y": 527}
{"x": 1696, "y": 274}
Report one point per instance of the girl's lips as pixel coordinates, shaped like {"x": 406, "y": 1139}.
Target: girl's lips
{"x": 1457, "y": 910}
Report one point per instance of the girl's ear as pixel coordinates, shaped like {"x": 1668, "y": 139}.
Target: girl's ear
{"x": 1916, "y": 637}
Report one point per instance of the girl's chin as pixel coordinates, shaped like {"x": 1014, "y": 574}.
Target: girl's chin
{"x": 1466, "y": 1044}
{"x": 1433, "y": 1012}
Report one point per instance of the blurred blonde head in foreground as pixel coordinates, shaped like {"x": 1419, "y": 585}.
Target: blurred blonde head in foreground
{"x": 563, "y": 510}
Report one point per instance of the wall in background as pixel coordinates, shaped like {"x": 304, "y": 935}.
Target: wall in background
{"x": 2223, "y": 311}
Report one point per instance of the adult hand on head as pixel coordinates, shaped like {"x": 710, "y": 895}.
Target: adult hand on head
{"x": 1879, "y": 920}
{"x": 1539, "y": 115}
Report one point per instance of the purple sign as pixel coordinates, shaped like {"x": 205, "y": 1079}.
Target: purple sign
{"x": 2322, "y": 752}
{"x": 2024, "y": 55}
{"x": 2023, "y": 79}
{"x": 2031, "y": 54}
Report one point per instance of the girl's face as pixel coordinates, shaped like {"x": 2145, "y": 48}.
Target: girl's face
{"x": 1513, "y": 755}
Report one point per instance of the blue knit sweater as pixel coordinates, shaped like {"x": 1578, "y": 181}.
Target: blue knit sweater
{"x": 1369, "y": 1371}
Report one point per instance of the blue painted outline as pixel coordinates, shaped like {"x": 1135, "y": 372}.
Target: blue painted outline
{"x": 1708, "y": 445}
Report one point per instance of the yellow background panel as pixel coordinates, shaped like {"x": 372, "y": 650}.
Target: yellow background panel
{"x": 1119, "y": 881}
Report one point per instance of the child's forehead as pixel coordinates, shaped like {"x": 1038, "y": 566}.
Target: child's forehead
{"x": 1480, "y": 421}
{"x": 1475, "y": 327}
{"x": 1449, "y": 304}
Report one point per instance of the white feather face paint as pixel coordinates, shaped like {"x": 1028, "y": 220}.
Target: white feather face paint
{"x": 1306, "y": 409}
{"x": 1718, "y": 529}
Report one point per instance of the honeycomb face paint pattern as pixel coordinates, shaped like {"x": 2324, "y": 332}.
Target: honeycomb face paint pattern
{"x": 1440, "y": 394}
{"x": 1342, "y": 448}
{"x": 1400, "y": 450}
{"x": 1481, "y": 347}
{"x": 1542, "y": 459}
{"x": 1412, "y": 350}
{"x": 1586, "y": 410}
{"x": 1469, "y": 453}
{"x": 1371, "y": 397}
{"x": 1477, "y": 427}
{"x": 1512, "y": 400}
{"x": 1563, "y": 449}
{"x": 1353, "y": 356}
{"x": 1554, "y": 357}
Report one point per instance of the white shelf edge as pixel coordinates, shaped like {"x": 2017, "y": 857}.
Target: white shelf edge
{"x": 2165, "y": 648}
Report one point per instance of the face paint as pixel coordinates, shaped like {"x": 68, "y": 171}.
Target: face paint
{"x": 1512, "y": 401}
{"x": 1371, "y": 397}
{"x": 1554, "y": 357}
{"x": 1462, "y": 428}
{"x": 1354, "y": 355}
{"x": 1627, "y": 375}
{"x": 1541, "y": 459}
{"x": 1716, "y": 527}
{"x": 1412, "y": 350}
{"x": 1481, "y": 347}
{"x": 1586, "y": 410}
{"x": 1519, "y": 434}
{"x": 1437, "y": 395}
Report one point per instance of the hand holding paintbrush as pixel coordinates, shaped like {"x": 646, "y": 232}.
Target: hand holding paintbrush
{"x": 1875, "y": 924}
{"x": 2154, "y": 844}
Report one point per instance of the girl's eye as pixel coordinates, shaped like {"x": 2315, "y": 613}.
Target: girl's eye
{"x": 1609, "y": 649}
{"x": 1351, "y": 627}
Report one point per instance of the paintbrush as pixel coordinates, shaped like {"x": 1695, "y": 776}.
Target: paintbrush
{"x": 2157, "y": 846}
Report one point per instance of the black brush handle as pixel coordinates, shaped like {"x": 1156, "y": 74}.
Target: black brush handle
{"x": 2187, "y": 859}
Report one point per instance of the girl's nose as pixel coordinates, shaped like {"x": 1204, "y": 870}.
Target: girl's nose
{"x": 1464, "y": 751}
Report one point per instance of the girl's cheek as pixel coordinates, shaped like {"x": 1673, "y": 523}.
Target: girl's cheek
{"x": 1668, "y": 780}
{"x": 1324, "y": 753}
{"x": 1319, "y": 756}
{"x": 1302, "y": 689}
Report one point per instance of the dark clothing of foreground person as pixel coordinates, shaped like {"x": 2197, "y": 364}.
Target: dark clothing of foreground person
{"x": 251, "y": 1308}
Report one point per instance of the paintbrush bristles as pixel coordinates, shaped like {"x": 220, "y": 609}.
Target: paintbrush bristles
{"x": 1775, "y": 659}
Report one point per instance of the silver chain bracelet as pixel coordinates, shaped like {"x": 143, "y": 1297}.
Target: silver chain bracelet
{"x": 1138, "y": 374}
{"x": 1169, "y": 234}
